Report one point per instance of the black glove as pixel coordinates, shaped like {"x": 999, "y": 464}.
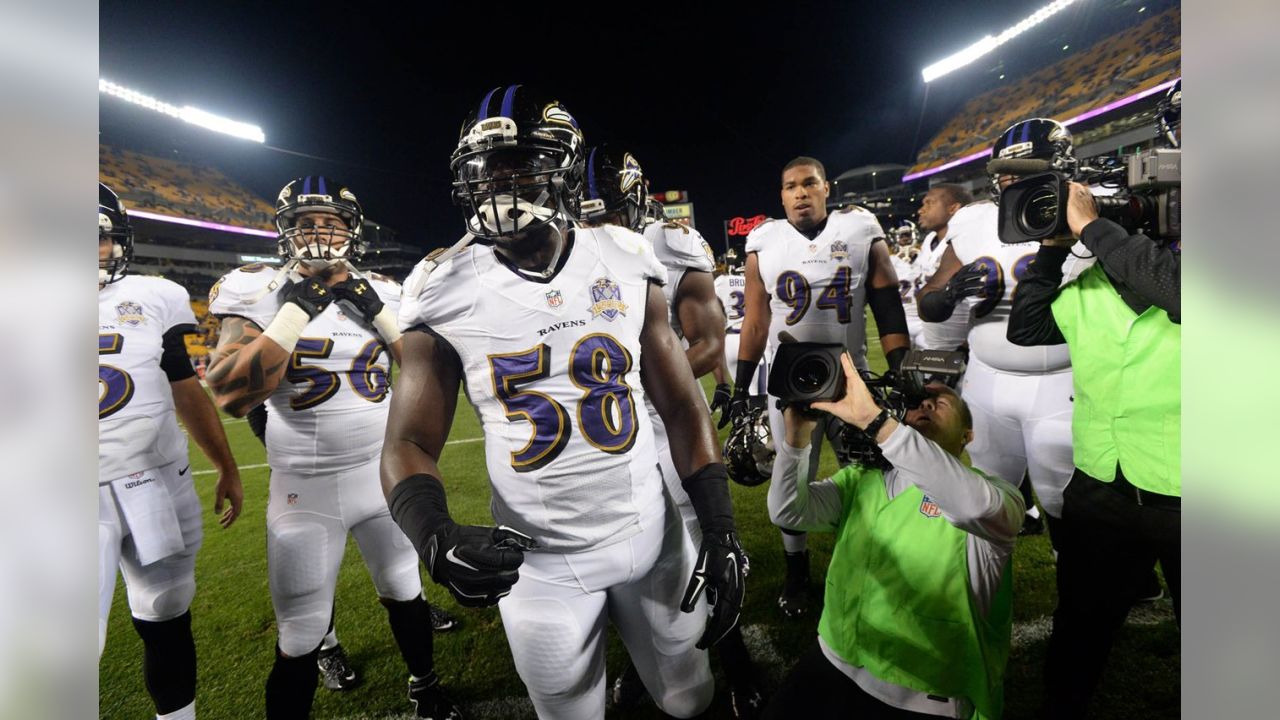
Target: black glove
{"x": 361, "y": 295}
{"x": 720, "y": 402}
{"x": 477, "y": 564}
{"x": 310, "y": 294}
{"x": 968, "y": 281}
{"x": 739, "y": 409}
{"x": 721, "y": 572}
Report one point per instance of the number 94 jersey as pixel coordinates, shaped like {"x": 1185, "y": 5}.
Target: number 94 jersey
{"x": 973, "y": 232}
{"x": 329, "y": 412}
{"x": 817, "y": 288}
{"x": 553, "y": 370}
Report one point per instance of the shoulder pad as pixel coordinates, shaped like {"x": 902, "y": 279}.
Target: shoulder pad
{"x": 252, "y": 268}
{"x": 673, "y": 225}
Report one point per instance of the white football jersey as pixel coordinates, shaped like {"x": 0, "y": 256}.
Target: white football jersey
{"x": 954, "y": 331}
{"x": 329, "y": 412}
{"x": 137, "y": 426}
{"x": 908, "y": 273}
{"x": 553, "y": 369}
{"x": 732, "y": 291}
{"x": 817, "y": 288}
{"x": 973, "y": 234}
{"x": 680, "y": 249}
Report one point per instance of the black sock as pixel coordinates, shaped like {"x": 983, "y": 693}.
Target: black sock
{"x": 798, "y": 564}
{"x": 1025, "y": 489}
{"x": 735, "y": 659}
{"x": 411, "y": 626}
{"x": 291, "y": 686}
{"x": 168, "y": 661}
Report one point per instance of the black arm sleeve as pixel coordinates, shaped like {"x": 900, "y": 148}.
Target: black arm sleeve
{"x": 933, "y": 307}
{"x": 708, "y": 490}
{"x": 1031, "y": 317}
{"x": 418, "y": 505}
{"x": 174, "y": 359}
{"x": 257, "y": 418}
{"x": 746, "y": 373}
{"x": 1153, "y": 271}
{"x": 886, "y": 307}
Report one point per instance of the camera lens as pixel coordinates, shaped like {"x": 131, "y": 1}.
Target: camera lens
{"x": 1040, "y": 211}
{"x": 810, "y": 374}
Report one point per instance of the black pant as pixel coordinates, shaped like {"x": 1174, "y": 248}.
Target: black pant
{"x": 816, "y": 689}
{"x": 1107, "y": 544}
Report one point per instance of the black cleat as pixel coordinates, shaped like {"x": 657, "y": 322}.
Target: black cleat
{"x": 1150, "y": 591}
{"x": 429, "y": 700}
{"x": 746, "y": 702}
{"x": 336, "y": 669}
{"x": 629, "y": 690}
{"x": 442, "y": 621}
{"x": 1031, "y": 525}
{"x": 795, "y": 599}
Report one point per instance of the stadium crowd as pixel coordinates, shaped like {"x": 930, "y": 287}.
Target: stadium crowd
{"x": 611, "y": 500}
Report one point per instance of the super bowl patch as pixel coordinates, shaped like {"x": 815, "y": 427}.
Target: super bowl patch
{"x": 929, "y": 508}
{"x": 606, "y": 299}
{"x": 839, "y": 250}
{"x": 130, "y": 313}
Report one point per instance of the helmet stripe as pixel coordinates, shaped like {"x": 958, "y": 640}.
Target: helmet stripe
{"x": 306, "y": 185}
{"x": 484, "y": 105}
{"x": 591, "y": 175}
{"x": 508, "y": 99}
{"x": 322, "y": 188}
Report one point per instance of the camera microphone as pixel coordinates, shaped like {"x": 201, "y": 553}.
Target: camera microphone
{"x": 1018, "y": 166}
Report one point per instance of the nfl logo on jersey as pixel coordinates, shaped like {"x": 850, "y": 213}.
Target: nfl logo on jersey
{"x": 929, "y": 508}
{"x": 554, "y": 299}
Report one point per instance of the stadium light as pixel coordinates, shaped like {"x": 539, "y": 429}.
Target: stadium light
{"x": 958, "y": 60}
{"x": 186, "y": 113}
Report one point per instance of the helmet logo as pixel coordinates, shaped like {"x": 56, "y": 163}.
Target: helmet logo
{"x": 630, "y": 175}
{"x": 104, "y": 222}
{"x": 1059, "y": 134}
{"x": 346, "y": 194}
{"x": 557, "y": 114}
{"x": 285, "y": 193}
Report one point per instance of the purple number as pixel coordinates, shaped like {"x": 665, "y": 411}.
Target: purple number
{"x": 836, "y": 296}
{"x": 115, "y": 387}
{"x": 369, "y": 379}
{"x": 738, "y": 309}
{"x": 1019, "y": 269}
{"x": 323, "y": 384}
{"x": 606, "y": 414}
{"x": 548, "y": 417}
{"x": 993, "y": 288}
{"x": 793, "y": 290}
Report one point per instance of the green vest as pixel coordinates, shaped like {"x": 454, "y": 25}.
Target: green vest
{"x": 1127, "y": 374}
{"x": 898, "y": 602}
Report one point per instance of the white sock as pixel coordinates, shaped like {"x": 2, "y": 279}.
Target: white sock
{"x": 330, "y": 641}
{"x": 1033, "y": 511}
{"x": 795, "y": 543}
{"x": 185, "y": 713}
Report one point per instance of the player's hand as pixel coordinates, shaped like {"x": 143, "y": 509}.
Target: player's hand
{"x": 231, "y": 492}
{"x": 310, "y": 294}
{"x": 1082, "y": 209}
{"x": 477, "y": 564}
{"x": 738, "y": 410}
{"x": 857, "y": 407}
{"x": 721, "y": 572}
{"x": 969, "y": 281}
{"x": 720, "y": 402}
{"x": 361, "y": 295}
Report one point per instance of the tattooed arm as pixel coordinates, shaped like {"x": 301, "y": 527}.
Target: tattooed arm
{"x": 245, "y": 367}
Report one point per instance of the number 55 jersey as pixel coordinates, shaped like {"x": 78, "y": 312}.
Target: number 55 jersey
{"x": 552, "y": 367}
{"x": 329, "y": 413}
{"x": 817, "y": 287}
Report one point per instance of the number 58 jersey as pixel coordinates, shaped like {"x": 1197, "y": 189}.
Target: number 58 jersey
{"x": 329, "y": 412}
{"x": 817, "y": 288}
{"x": 553, "y": 369}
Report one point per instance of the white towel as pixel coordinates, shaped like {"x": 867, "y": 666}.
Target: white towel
{"x": 149, "y": 515}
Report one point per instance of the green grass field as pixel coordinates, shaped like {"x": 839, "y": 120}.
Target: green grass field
{"x": 235, "y": 628}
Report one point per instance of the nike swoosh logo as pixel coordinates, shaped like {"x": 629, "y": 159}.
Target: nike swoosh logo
{"x": 184, "y": 470}
{"x": 453, "y": 558}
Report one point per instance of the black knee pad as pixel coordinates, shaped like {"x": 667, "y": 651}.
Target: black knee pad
{"x": 291, "y": 686}
{"x": 168, "y": 661}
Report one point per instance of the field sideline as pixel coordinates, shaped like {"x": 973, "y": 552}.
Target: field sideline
{"x": 235, "y": 628}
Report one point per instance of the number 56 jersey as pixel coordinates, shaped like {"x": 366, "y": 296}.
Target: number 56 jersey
{"x": 817, "y": 287}
{"x": 553, "y": 369}
{"x": 329, "y": 412}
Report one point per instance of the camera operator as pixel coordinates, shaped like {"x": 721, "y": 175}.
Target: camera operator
{"x": 916, "y": 621}
{"x": 1121, "y": 320}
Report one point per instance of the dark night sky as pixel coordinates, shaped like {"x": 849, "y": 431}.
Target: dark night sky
{"x": 711, "y": 100}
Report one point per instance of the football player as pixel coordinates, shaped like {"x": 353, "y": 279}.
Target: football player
{"x": 314, "y": 350}
{"x": 935, "y": 213}
{"x": 731, "y": 289}
{"x": 561, "y": 334}
{"x": 148, "y": 514}
{"x": 905, "y": 239}
{"x": 1020, "y": 396}
{"x": 613, "y": 194}
{"x": 813, "y": 275}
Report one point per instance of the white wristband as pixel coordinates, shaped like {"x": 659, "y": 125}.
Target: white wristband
{"x": 387, "y": 326}
{"x": 287, "y": 326}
